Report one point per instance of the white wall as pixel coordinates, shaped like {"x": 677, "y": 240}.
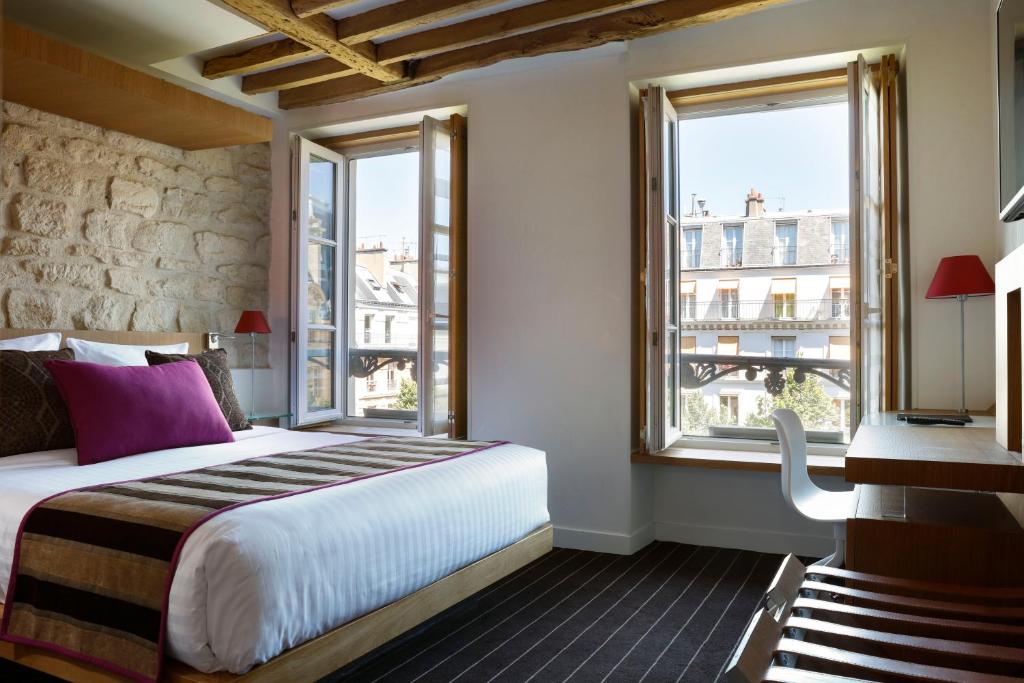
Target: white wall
{"x": 550, "y": 231}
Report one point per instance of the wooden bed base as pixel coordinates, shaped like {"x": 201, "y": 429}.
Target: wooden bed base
{"x": 327, "y": 653}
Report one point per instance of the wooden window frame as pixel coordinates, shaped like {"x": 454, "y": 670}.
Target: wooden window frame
{"x": 800, "y": 87}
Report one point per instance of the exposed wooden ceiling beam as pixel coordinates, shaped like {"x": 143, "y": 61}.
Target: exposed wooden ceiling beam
{"x": 257, "y": 58}
{"x": 659, "y": 17}
{"x": 340, "y": 143}
{"x": 494, "y": 26}
{"x": 307, "y": 8}
{"x": 403, "y": 16}
{"x": 318, "y": 31}
{"x": 490, "y": 27}
{"x": 294, "y": 76}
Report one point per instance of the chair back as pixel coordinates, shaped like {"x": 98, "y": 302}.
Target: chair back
{"x": 796, "y": 482}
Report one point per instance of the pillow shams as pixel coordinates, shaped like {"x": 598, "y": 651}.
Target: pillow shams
{"x": 33, "y": 416}
{"x": 214, "y": 364}
{"x": 119, "y": 354}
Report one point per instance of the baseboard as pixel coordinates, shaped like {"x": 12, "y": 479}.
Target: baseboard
{"x": 760, "y": 540}
{"x": 604, "y": 541}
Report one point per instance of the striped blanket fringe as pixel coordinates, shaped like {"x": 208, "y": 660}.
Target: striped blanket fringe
{"x": 93, "y": 567}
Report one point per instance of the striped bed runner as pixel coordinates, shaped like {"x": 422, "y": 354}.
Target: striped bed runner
{"x": 93, "y": 567}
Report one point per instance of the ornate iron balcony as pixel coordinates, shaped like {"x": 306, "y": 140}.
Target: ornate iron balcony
{"x": 698, "y": 370}
{"x": 795, "y": 310}
{"x": 364, "y": 362}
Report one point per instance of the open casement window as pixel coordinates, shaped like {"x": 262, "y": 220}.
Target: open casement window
{"x": 661, "y": 279}
{"x": 875, "y": 240}
{"x": 379, "y": 322}
{"x": 442, "y": 277}
{"x": 318, "y": 314}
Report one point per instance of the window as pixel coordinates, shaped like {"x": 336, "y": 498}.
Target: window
{"x": 732, "y": 246}
{"x": 692, "y": 238}
{"x": 689, "y": 345}
{"x": 784, "y": 298}
{"x": 840, "y": 300}
{"x": 840, "y": 248}
{"x": 838, "y": 349}
{"x": 729, "y": 406}
{"x": 784, "y": 251}
{"x": 364, "y": 212}
{"x": 729, "y": 299}
{"x": 784, "y": 347}
{"x": 688, "y": 299}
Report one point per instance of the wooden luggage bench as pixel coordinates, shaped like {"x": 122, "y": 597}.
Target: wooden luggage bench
{"x": 824, "y": 624}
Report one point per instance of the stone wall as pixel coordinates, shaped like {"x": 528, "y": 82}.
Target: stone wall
{"x": 102, "y": 230}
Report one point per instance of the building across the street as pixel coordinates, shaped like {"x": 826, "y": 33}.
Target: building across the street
{"x": 764, "y": 284}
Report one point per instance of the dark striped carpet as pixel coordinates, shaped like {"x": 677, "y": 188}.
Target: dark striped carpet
{"x": 670, "y": 612}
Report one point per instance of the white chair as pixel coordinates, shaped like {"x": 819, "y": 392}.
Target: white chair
{"x": 801, "y": 493}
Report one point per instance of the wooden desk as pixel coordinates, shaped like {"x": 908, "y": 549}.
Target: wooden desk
{"x": 887, "y": 451}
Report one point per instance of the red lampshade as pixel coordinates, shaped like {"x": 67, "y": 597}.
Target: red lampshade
{"x": 960, "y": 276}
{"x": 252, "y": 322}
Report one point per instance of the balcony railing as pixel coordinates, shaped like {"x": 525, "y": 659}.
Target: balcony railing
{"x": 690, "y": 258}
{"x": 784, "y": 256}
{"x": 700, "y": 369}
{"x": 801, "y": 310}
{"x": 840, "y": 253}
{"x": 732, "y": 257}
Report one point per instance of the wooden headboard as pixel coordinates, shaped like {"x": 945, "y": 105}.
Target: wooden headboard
{"x": 197, "y": 341}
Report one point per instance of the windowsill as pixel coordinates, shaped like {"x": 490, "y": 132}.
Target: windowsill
{"x": 750, "y": 461}
{"x": 357, "y": 429}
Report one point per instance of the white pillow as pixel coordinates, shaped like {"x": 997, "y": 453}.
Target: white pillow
{"x": 49, "y": 341}
{"x": 119, "y": 354}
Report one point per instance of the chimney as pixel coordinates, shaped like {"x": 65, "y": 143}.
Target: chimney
{"x": 755, "y": 204}
{"x": 372, "y": 258}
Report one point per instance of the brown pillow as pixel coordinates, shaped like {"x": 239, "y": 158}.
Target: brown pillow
{"x": 33, "y": 416}
{"x": 215, "y": 366}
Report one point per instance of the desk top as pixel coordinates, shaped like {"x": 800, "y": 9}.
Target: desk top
{"x": 888, "y": 451}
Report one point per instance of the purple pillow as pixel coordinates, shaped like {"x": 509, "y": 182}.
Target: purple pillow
{"x": 124, "y": 410}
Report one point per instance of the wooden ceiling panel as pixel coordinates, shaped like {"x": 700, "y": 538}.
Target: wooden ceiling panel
{"x": 62, "y": 79}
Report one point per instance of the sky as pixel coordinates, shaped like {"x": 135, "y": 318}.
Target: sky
{"x": 797, "y": 154}
{"x": 796, "y": 157}
{"x": 387, "y": 200}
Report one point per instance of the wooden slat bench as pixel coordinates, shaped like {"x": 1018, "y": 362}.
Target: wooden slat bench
{"x": 829, "y": 625}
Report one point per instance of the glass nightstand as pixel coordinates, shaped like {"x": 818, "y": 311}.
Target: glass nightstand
{"x": 270, "y": 419}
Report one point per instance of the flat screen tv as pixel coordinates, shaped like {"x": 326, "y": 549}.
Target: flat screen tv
{"x": 1010, "y": 65}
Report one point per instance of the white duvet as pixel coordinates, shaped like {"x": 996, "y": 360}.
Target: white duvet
{"x": 260, "y": 579}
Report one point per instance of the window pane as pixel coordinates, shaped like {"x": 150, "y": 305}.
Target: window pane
{"x": 775, "y": 283}
{"x": 383, "y": 272}
{"x": 320, "y": 284}
{"x": 440, "y": 376}
{"x": 322, "y": 202}
{"x": 442, "y": 178}
{"x": 320, "y": 370}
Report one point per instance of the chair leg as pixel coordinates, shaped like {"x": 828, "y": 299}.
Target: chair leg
{"x": 838, "y": 558}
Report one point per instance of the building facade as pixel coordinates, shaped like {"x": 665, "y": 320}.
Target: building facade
{"x": 765, "y": 284}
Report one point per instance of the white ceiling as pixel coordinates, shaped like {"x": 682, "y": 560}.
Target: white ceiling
{"x": 134, "y": 32}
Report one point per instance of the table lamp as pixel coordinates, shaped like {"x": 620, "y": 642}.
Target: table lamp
{"x": 959, "y": 277}
{"x": 252, "y": 323}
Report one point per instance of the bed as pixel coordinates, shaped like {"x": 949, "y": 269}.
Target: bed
{"x": 376, "y": 557}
